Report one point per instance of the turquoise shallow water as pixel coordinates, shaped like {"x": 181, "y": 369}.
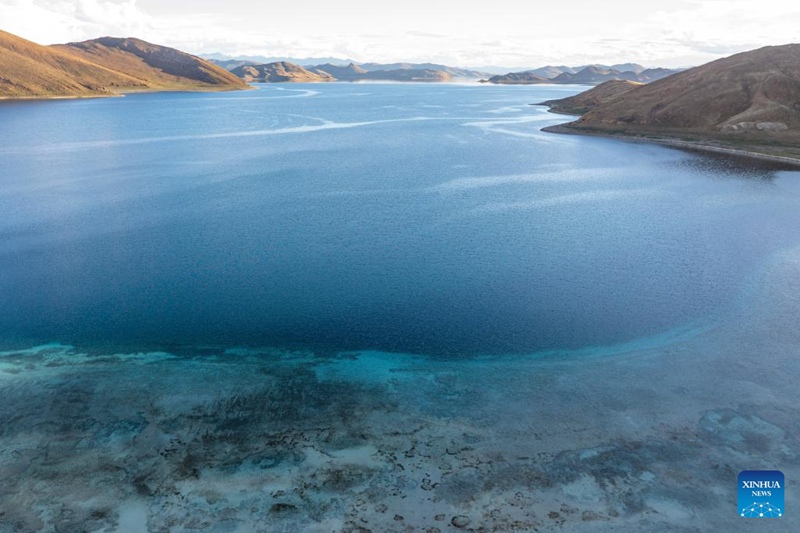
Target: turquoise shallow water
{"x": 428, "y": 219}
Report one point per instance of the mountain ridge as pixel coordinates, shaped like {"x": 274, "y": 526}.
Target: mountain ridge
{"x": 589, "y": 74}
{"x": 581, "y": 103}
{"x": 159, "y": 64}
{"x": 30, "y": 70}
{"x": 749, "y": 102}
{"x": 102, "y": 67}
{"x": 279, "y": 71}
{"x": 291, "y": 72}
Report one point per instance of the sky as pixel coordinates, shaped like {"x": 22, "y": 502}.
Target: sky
{"x": 466, "y": 33}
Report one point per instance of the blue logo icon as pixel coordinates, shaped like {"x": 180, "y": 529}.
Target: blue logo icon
{"x": 761, "y": 494}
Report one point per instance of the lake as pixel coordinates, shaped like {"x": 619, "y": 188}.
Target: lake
{"x": 385, "y": 307}
{"x": 428, "y": 219}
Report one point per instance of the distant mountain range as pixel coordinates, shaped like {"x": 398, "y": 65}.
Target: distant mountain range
{"x": 102, "y": 67}
{"x": 112, "y": 65}
{"x": 231, "y": 62}
{"x": 219, "y": 59}
{"x": 748, "y": 101}
{"x": 351, "y": 71}
{"x": 589, "y": 74}
{"x": 279, "y": 71}
{"x": 283, "y": 71}
{"x": 453, "y": 72}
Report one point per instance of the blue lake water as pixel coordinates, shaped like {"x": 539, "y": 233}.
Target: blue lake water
{"x": 429, "y": 219}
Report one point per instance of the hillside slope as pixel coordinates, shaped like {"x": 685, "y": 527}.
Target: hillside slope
{"x": 280, "y": 71}
{"x": 284, "y": 71}
{"x": 349, "y": 73}
{"x": 102, "y": 67}
{"x": 604, "y": 93}
{"x": 749, "y": 101}
{"x": 590, "y": 75}
{"x": 30, "y": 70}
{"x": 158, "y": 66}
{"x": 724, "y": 95}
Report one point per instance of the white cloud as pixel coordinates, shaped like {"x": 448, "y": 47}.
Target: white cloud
{"x": 35, "y": 22}
{"x": 503, "y": 32}
{"x": 54, "y": 21}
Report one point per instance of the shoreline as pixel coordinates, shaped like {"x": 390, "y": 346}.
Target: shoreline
{"x": 124, "y": 93}
{"x": 702, "y": 146}
{"x": 55, "y": 97}
{"x": 268, "y": 437}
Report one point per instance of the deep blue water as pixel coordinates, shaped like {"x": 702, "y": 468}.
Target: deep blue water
{"x": 430, "y": 219}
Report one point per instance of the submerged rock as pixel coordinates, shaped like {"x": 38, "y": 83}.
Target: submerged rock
{"x": 460, "y": 521}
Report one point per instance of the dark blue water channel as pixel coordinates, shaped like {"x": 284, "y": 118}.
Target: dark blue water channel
{"x": 415, "y": 218}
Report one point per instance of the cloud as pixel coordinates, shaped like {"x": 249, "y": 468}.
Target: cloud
{"x": 52, "y": 21}
{"x": 36, "y": 22}
{"x": 426, "y": 35}
{"x": 711, "y": 29}
{"x": 680, "y": 33}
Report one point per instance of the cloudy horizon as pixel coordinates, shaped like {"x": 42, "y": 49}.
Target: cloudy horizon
{"x": 467, "y": 34}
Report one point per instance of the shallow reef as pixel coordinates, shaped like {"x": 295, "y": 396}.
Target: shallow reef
{"x": 647, "y": 439}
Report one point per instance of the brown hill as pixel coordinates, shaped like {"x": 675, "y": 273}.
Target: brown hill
{"x": 589, "y": 75}
{"x": 349, "y": 73}
{"x": 415, "y": 74}
{"x": 604, "y": 93}
{"x": 527, "y": 77}
{"x": 158, "y": 66}
{"x": 594, "y": 74}
{"x": 28, "y": 70}
{"x": 280, "y": 71}
{"x": 751, "y": 87}
{"x": 751, "y": 100}
{"x": 283, "y": 71}
{"x": 101, "y": 68}
{"x": 452, "y": 72}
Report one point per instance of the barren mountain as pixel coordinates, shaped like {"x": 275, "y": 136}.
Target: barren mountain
{"x": 421, "y": 74}
{"x": 527, "y": 77}
{"x": 724, "y": 95}
{"x": 230, "y": 64}
{"x": 653, "y": 74}
{"x": 348, "y": 73}
{"x": 159, "y": 66}
{"x": 102, "y": 67}
{"x": 551, "y": 71}
{"x": 289, "y": 72}
{"x": 28, "y": 69}
{"x": 604, "y": 93}
{"x": 281, "y": 71}
{"x": 591, "y": 74}
{"x": 453, "y": 72}
{"x": 751, "y": 100}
